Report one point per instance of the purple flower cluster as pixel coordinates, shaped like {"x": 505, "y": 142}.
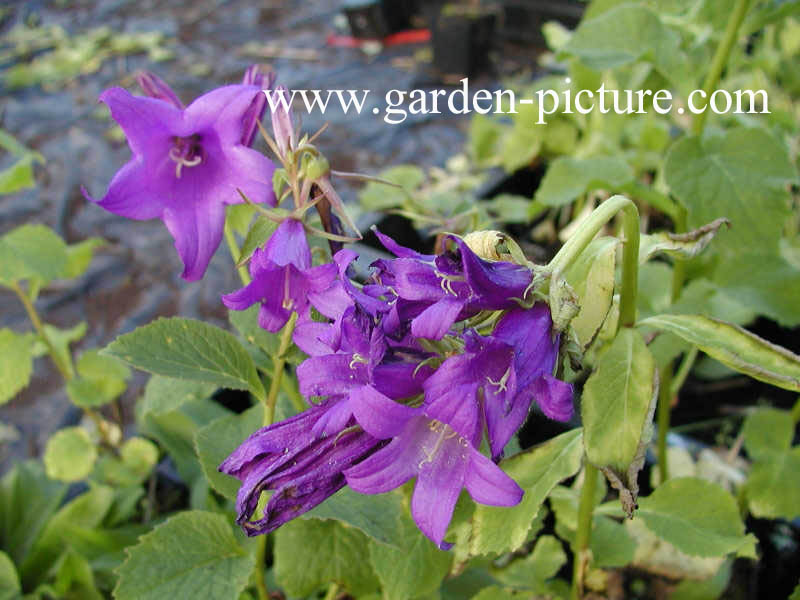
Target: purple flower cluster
{"x": 405, "y": 374}
{"x": 400, "y": 385}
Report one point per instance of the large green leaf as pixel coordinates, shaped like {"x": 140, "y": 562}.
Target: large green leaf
{"x": 767, "y": 431}
{"x": 696, "y": 516}
{"x": 537, "y": 471}
{"x": 773, "y": 486}
{"x": 164, "y": 394}
{"x": 375, "y": 516}
{"x": 617, "y": 409}
{"x": 188, "y": 349}
{"x": 10, "y": 588}
{"x": 743, "y": 176}
{"x": 16, "y": 363}
{"x": 84, "y": 512}
{"x": 627, "y": 34}
{"x": 28, "y": 498}
{"x": 192, "y": 555}
{"x": 309, "y": 554}
{"x": 218, "y": 439}
{"x": 32, "y": 251}
{"x": 568, "y": 178}
{"x": 735, "y": 347}
{"x": 414, "y": 568}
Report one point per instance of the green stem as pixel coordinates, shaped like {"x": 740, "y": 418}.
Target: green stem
{"x": 583, "y": 534}
{"x": 683, "y": 370}
{"x": 796, "y": 412}
{"x": 277, "y": 371}
{"x": 64, "y": 367}
{"x": 261, "y": 561}
{"x": 333, "y": 591}
{"x": 630, "y": 255}
{"x": 664, "y": 406}
{"x": 230, "y": 239}
{"x": 720, "y": 60}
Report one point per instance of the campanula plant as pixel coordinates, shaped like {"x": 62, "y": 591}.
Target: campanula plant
{"x": 381, "y": 442}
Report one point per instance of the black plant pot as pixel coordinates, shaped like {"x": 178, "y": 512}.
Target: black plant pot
{"x": 371, "y": 19}
{"x": 462, "y": 39}
{"x": 522, "y": 20}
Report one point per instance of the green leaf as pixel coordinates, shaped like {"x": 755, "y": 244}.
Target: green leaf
{"x": 379, "y": 196}
{"x": 375, "y": 516}
{"x": 617, "y": 409}
{"x": 10, "y": 588}
{"x": 537, "y": 471}
{"x": 31, "y": 251}
{"x": 215, "y": 442}
{"x": 28, "y": 498}
{"x": 84, "y": 512}
{"x": 592, "y": 279}
{"x": 16, "y": 363}
{"x": 69, "y": 454}
{"x": 102, "y": 380}
{"x": 532, "y": 571}
{"x": 679, "y": 245}
{"x": 257, "y": 236}
{"x": 707, "y": 589}
{"x": 414, "y": 568}
{"x": 192, "y": 555}
{"x": 79, "y": 256}
{"x": 164, "y": 394}
{"x": 568, "y": 178}
{"x": 767, "y": 431}
{"x": 627, "y": 34}
{"x": 189, "y": 349}
{"x": 246, "y": 323}
{"x": 18, "y": 176}
{"x": 510, "y": 208}
{"x": 61, "y": 340}
{"x": 696, "y": 516}
{"x": 75, "y": 579}
{"x": 338, "y": 553}
{"x": 735, "y": 347}
{"x": 743, "y": 176}
{"x": 773, "y": 486}
{"x": 495, "y": 592}
{"x": 239, "y": 217}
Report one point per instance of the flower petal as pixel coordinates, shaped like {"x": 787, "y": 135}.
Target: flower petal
{"x": 220, "y": 113}
{"x": 438, "y": 486}
{"x": 435, "y": 321}
{"x": 379, "y": 415}
{"x": 488, "y": 484}
{"x": 148, "y": 123}
{"x": 197, "y": 230}
{"x": 387, "y": 469}
{"x": 554, "y": 397}
{"x": 130, "y": 193}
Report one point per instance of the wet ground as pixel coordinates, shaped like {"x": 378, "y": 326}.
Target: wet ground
{"x": 135, "y": 278}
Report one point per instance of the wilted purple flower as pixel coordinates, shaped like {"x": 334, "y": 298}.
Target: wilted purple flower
{"x": 302, "y": 468}
{"x": 254, "y": 76}
{"x": 435, "y": 444}
{"x": 436, "y": 291}
{"x": 187, "y": 165}
{"x": 283, "y": 278}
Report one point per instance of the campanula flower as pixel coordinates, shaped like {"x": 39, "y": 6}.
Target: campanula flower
{"x": 303, "y": 469}
{"x": 188, "y": 163}
{"x": 436, "y": 291}
{"x": 435, "y": 444}
{"x": 283, "y": 278}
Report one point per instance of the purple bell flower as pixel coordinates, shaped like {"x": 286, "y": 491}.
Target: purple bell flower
{"x": 435, "y": 444}
{"x": 436, "y": 291}
{"x": 302, "y": 468}
{"x": 187, "y": 164}
{"x": 283, "y": 278}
